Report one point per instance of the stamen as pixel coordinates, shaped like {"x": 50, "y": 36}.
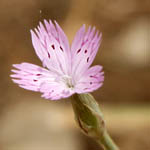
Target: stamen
{"x": 68, "y": 81}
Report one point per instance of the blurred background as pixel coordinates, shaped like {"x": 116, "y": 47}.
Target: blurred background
{"x": 28, "y": 122}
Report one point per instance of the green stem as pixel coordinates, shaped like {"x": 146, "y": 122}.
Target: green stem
{"x": 106, "y": 142}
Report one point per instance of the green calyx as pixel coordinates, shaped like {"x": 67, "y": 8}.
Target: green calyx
{"x": 88, "y": 115}
{"x": 90, "y": 120}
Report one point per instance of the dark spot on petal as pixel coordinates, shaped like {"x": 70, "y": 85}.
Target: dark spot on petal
{"x": 53, "y": 47}
{"x": 91, "y": 76}
{"x": 78, "y": 50}
{"x": 85, "y": 51}
{"x": 90, "y": 82}
{"x": 38, "y": 74}
{"x": 34, "y": 80}
{"x": 88, "y": 59}
{"x": 61, "y": 48}
{"x": 49, "y": 55}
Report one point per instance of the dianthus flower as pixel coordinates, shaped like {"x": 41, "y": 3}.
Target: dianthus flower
{"x": 66, "y": 70}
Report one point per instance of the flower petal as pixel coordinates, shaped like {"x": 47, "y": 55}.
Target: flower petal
{"x": 55, "y": 91}
{"x": 52, "y": 46}
{"x": 35, "y": 78}
{"x": 91, "y": 80}
{"x": 83, "y": 50}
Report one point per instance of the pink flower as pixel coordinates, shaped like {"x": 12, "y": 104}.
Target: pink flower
{"x": 67, "y": 70}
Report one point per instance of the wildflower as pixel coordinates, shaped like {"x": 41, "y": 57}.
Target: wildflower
{"x": 65, "y": 70}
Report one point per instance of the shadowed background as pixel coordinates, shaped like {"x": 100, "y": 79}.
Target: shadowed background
{"x": 28, "y": 122}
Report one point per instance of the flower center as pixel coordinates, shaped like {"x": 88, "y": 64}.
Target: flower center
{"x": 68, "y": 81}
